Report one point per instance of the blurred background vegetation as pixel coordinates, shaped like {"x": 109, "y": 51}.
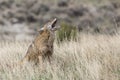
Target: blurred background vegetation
{"x": 20, "y": 19}
{"x": 66, "y": 32}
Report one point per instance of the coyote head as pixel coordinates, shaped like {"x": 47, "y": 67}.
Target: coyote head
{"x": 50, "y": 26}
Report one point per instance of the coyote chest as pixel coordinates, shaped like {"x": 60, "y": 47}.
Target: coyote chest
{"x": 44, "y": 43}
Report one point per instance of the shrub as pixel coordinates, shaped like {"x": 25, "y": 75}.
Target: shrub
{"x": 66, "y": 32}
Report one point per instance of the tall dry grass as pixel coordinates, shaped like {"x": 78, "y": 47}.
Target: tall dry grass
{"x": 91, "y": 57}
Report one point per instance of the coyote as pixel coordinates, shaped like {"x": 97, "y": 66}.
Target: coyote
{"x": 42, "y": 46}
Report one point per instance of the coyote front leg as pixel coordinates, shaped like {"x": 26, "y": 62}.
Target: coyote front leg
{"x": 40, "y": 61}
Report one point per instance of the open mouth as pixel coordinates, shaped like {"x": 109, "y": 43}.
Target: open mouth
{"x": 53, "y": 23}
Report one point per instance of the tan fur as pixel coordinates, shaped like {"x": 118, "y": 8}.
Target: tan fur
{"x": 41, "y": 47}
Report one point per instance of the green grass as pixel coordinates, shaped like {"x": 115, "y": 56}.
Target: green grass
{"x": 66, "y": 32}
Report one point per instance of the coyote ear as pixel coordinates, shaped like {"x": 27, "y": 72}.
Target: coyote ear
{"x": 41, "y": 30}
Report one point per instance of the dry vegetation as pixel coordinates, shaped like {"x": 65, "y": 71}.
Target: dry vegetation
{"x": 92, "y": 57}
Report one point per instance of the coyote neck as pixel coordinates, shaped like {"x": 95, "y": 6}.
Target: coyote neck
{"x": 45, "y": 38}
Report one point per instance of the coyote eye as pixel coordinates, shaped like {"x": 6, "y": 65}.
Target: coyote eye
{"x": 49, "y": 26}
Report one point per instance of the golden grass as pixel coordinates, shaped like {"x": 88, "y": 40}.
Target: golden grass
{"x": 92, "y": 57}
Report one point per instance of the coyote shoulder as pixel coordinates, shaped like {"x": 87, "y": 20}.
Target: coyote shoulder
{"x": 42, "y": 46}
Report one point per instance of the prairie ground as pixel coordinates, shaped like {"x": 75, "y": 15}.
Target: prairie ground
{"x": 91, "y": 57}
